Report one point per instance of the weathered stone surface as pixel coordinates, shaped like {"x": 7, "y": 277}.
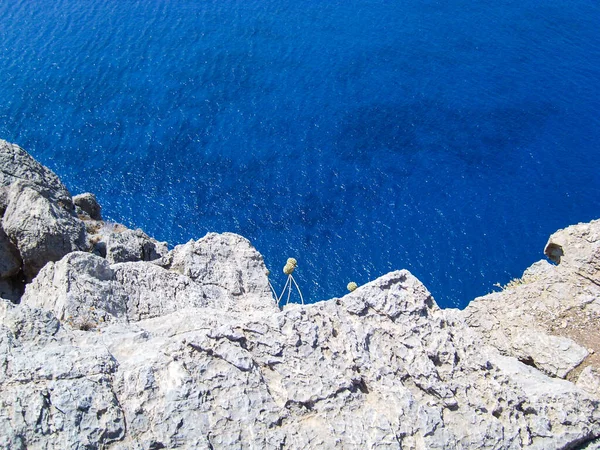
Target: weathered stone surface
{"x": 228, "y": 262}
{"x": 381, "y": 367}
{"x": 133, "y": 245}
{"x": 10, "y": 260}
{"x": 589, "y": 380}
{"x": 88, "y": 205}
{"x": 117, "y": 243}
{"x": 38, "y": 215}
{"x": 41, "y": 229}
{"x": 548, "y": 317}
{"x": 151, "y": 291}
{"x": 79, "y": 287}
{"x": 17, "y": 165}
{"x": 577, "y": 249}
{"x": 191, "y": 351}
{"x": 87, "y": 290}
{"x": 54, "y": 395}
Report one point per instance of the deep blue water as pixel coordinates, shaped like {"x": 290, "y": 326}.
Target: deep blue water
{"x": 360, "y": 136}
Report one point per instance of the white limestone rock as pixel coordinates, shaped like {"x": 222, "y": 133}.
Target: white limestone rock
{"x": 589, "y": 380}
{"x": 88, "y": 291}
{"x": 17, "y": 165}
{"x": 191, "y": 351}
{"x": 228, "y": 262}
{"x": 133, "y": 245}
{"x": 80, "y": 287}
{"x": 41, "y": 229}
{"x": 548, "y": 317}
{"x": 54, "y": 395}
{"x": 381, "y": 367}
{"x": 38, "y": 216}
{"x": 151, "y": 291}
{"x": 118, "y": 244}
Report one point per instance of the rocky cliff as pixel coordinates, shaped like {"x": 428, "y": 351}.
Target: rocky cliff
{"x": 109, "y": 340}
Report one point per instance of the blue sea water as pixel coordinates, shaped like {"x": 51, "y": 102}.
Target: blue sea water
{"x": 359, "y": 136}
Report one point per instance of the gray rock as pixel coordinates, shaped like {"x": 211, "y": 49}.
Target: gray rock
{"x": 589, "y": 380}
{"x": 80, "y": 288}
{"x": 227, "y": 261}
{"x": 54, "y": 395}
{"x": 548, "y": 317}
{"x": 117, "y": 243}
{"x": 88, "y": 204}
{"x": 17, "y": 165}
{"x": 190, "y": 350}
{"x": 577, "y": 249}
{"x": 381, "y": 367}
{"x": 10, "y": 259}
{"x": 133, "y": 245}
{"x": 41, "y": 229}
{"x": 88, "y": 291}
{"x": 38, "y": 221}
{"x": 151, "y": 291}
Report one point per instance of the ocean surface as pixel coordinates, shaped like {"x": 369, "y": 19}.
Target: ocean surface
{"x": 358, "y": 136}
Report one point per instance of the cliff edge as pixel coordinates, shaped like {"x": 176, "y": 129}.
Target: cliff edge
{"x": 110, "y": 340}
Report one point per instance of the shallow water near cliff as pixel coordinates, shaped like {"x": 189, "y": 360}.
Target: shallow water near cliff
{"x": 448, "y": 138}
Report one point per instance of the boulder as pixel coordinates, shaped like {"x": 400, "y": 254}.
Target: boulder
{"x": 87, "y": 291}
{"x": 80, "y": 289}
{"x": 42, "y": 230}
{"x": 87, "y": 205}
{"x": 38, "y": 223}
{"x": 227, "y": 261}
{"x": 17, "y": 165}
{"x": 132, "y": 245}
{"x": 151, "y": 291}
{"x": 577, "y": 249}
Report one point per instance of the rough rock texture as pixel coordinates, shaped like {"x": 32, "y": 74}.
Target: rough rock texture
{"x": 549, "y": 318}
{"x": 227, "y": 262}
{"x": 118, "y": 244}
{"x": 40, "y": 229}
{"x": 41, "y": 223}
{"x": 381, "y": 367}
{"x": 133, "y": 245}
{"x": 87, "y": 204}
{"x": 86, "y": 288}
{"x": 37, "y": 216}
{"x": 17, "y": 165}
{"x": 122, "y": 348}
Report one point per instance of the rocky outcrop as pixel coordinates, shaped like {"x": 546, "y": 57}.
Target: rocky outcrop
{"x": 548, "y": 318}
{"x": 40, "y": 229}
{"x": 89, "y": 290}
{"x": 131, "y": 346}
{"x": 382, "y": 366}
{"x": 87, "y": 205}
{"x": 226, "y": 263}
{"x": 38, "y": 220}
